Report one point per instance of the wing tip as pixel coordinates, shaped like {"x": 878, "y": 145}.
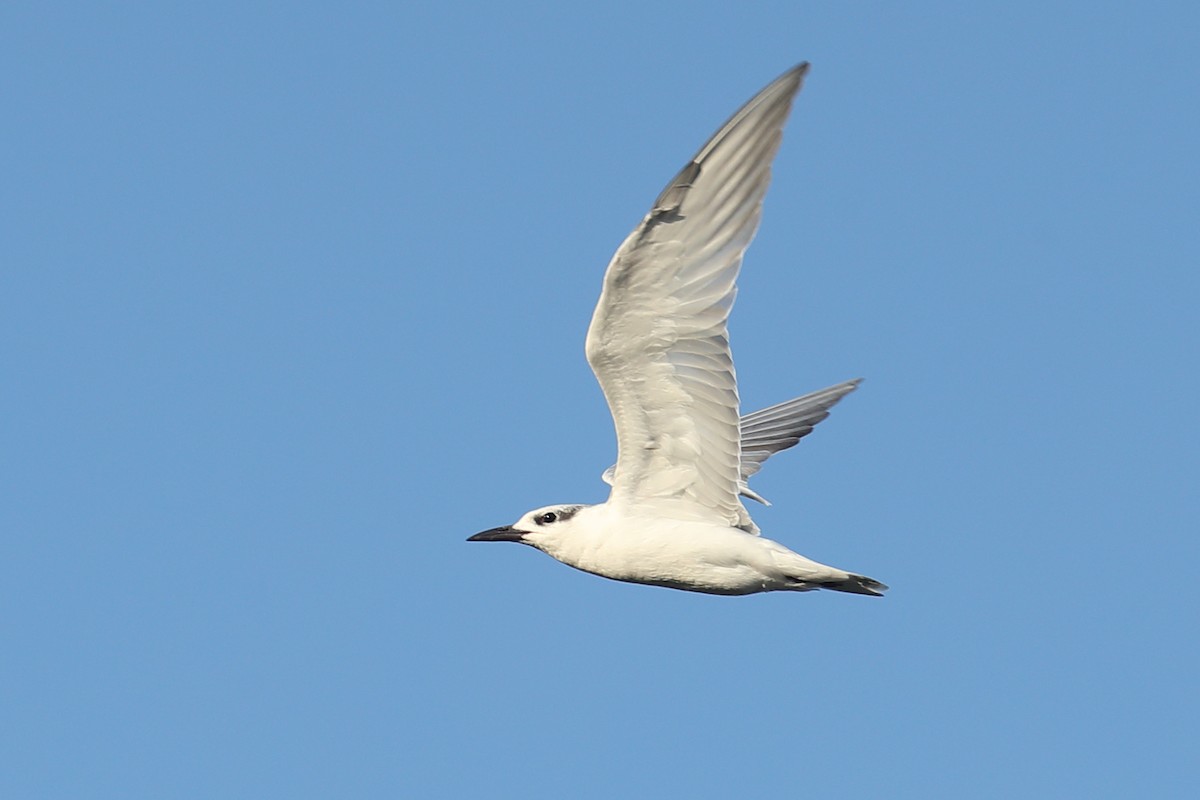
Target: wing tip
{"x": 795, "y": 75}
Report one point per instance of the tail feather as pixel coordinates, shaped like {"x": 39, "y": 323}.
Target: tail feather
{"x": 856, "y": 584}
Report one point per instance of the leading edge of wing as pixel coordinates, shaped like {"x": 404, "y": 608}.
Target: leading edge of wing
{"x": 658, "y": 342}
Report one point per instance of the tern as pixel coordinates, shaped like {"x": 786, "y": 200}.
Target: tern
{"x": 659, "y": 346}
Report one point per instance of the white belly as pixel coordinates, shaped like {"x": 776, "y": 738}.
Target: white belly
{"x": 694, "y": 557}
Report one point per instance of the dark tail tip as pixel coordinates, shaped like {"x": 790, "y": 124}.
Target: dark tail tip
{"x": 857, "y": 584}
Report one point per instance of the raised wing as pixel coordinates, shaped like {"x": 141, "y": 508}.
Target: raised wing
{"x": 658, "y": 341}
{"x": 765, "y": 433}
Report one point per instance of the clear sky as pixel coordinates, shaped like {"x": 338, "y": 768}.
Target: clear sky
{"x": 292, "y": 301}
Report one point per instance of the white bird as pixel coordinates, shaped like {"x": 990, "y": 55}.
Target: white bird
{"x": 659, "y": 346}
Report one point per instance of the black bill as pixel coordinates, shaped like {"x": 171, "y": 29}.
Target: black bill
{"x": 503, "y": 534}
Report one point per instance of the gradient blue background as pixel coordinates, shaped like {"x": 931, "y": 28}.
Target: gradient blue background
{"x": 293, "y": 300}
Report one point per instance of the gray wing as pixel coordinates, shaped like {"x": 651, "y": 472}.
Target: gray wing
{"x": 658, "y": 342}
{"x": 771, "y": 430}
{"x": 766, "y": 432}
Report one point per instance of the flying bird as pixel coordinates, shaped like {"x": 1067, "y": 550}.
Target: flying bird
{"x": 659, "y": 346}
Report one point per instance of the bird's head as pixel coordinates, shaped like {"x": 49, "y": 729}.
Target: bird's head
{"x": 543, "y": 528}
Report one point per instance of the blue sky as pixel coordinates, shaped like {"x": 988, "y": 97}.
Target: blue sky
{"x": 293, "y": 300}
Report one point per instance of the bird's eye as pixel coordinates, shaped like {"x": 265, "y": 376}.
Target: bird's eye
{"x": 547, "y": 518}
